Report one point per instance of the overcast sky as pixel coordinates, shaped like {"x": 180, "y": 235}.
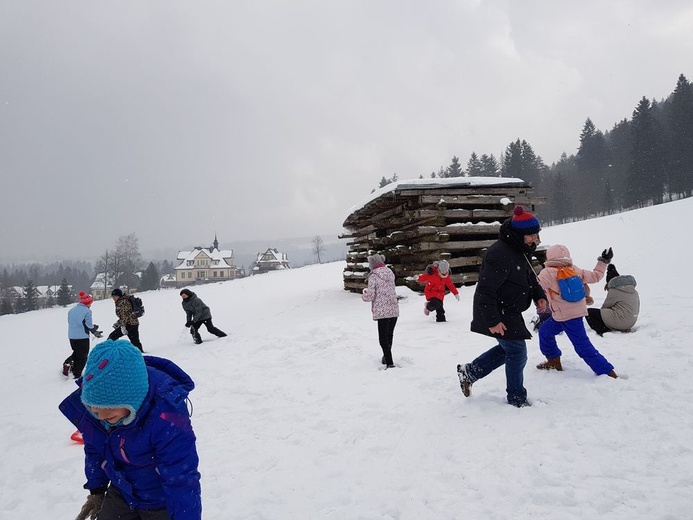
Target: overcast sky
{"x": 270, "y": 119}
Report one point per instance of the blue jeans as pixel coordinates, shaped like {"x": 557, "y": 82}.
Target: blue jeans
{"x": 513, "y": 354}
{"x": 575, "y": 330}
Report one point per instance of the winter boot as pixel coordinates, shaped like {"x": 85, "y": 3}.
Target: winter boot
{"x": 426, "y": 311}
{"x": 383, "y": 361}
{"x": 551, "y": 364}
{"x": 465, "y": 380}
{"x": 66, "y": 369}
{"x": 612, "y": 374}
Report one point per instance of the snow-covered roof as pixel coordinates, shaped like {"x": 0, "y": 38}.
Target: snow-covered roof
{"x": 451, "y": 182}
{"x": 218, "y": 257}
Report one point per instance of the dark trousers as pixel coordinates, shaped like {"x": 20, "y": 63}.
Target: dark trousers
{"x": 195, "y": 328}
{"x": 513, "y": 354}
{"x": 115, "y": 508}
{"x": 434, "y": 304}
{"x": 595, "y": 321}
{"x": 386, "y": 330}
{"x": 133, "y": 333}
{"x": 80, "y": 351}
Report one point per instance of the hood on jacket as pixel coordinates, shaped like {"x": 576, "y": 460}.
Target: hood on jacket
{"x": 558, "y": 255}
{"x": 621, "y": 282}
{"x": 188, "y": 292}
{"x": 172, "y": 370}
{"x": 514, "y": 238}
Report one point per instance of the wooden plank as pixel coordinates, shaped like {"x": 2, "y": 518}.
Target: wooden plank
{"x": 453, "y": 246}
{"x": 483, "y": 200}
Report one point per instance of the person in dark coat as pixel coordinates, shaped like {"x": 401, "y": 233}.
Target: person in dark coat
{"x": 198, "y": 314}
{"x": 140, "y": 455}
{"x": 506, "y": 288}
{"x": 127, "y": 324}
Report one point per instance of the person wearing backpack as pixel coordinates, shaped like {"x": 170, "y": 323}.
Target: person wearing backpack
{"x": 563, "y": 283}
{"x": 437, "y": 279}
{"x": 198, "y": 314}
{"x": 127, "y": 324}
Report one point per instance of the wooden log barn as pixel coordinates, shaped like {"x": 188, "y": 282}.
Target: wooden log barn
{"x": 416, "y": 222}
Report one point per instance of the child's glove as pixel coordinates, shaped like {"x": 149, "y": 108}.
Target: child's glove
{"x": 606, "y": 257}
{"x": 589, "y": 300}
{"x": 457, "y": 297}
{"x": 91, "y": 507}
{"x": 96, "y": 332}
{"x": 188, "y": 323}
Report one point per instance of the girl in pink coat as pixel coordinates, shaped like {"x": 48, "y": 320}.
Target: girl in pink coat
{"x": 384, "y": 306}
{"x": 567, "y": 316}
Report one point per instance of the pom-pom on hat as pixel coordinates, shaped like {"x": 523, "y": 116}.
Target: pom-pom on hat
{"x": 115, "y": 376}
{"x": 85, "y": 298}
{"x": 524, "y": 222}
{"x": 376, "y": 260}
{"x": 116, "y": 292}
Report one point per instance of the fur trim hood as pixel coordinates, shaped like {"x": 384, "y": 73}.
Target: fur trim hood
{"x": 621, "y": 282}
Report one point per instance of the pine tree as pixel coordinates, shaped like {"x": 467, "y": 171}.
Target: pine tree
{"x": 454, "y": 170}
{"x": 679, "y": 123}
{"x": 64, "y": 298}
{"x": 646, "y": 173}
{"x": 474, "y": 166}
{"x": 30, "y": 298}
{"x": 489, "y": 166}
{"x": 512, "y": 160}
{"x": 593, "y": 168}
{"x": 150, "y": 278}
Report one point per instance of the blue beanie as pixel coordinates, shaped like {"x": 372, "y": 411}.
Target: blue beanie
{"x": 115, "y": 377}
{"x": 524, "y": 222}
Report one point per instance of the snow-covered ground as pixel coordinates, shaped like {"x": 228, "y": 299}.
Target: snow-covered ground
{"x": 296, "y": 420}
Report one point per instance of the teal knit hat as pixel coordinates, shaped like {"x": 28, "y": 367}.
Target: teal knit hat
{"x": 115, "y": 377}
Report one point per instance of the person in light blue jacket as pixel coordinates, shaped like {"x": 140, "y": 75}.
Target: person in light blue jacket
{"x": 79, "y": 325}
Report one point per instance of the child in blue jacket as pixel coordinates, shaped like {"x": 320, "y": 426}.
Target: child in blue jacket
{"x": 139, "y": 446}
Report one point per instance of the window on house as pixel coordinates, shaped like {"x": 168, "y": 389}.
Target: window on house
{"x": 221, "y": 274}
{"x": 214, "y": 274}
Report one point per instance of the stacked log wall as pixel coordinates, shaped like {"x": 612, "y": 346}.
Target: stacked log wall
{"x": 415, "y": 226}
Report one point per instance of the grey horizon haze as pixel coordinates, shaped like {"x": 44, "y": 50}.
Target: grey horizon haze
{"x": 261, "y": 120}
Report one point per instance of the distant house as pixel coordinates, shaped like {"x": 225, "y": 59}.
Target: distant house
{"x": 270, "y": 260}
{"x": 168, "y": 281}
{"x": 102, "y": 286}
{"x": 43, "y": 293}
{"x": 206, "y": 265}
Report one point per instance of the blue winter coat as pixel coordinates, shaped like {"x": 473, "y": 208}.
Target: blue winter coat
{"x": 77, "y": 318}
{"x": 153, "y": 460}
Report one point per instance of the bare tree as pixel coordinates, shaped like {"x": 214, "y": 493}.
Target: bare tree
{"x": 318, "y": 247}
{"x": 127, "y": 258}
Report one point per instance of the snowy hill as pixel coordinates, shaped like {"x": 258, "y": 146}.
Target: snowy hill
{"x": 295, "y": 419}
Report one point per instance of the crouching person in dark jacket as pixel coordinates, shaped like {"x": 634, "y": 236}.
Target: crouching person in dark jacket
{"x": 140, "y": 453}
{"x": 198, "y": 314}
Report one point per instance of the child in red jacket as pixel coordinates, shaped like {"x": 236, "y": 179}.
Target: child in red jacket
{"x": 437, "y": 279}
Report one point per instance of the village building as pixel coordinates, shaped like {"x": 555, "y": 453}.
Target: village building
{"x": 44, "y": 294}
{"x": 416, "y": 222}
{"x": 206, "y": 265}
{"x": 270, "y": 260}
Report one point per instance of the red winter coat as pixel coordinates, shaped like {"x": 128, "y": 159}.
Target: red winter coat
{"x": 435, "y": 285}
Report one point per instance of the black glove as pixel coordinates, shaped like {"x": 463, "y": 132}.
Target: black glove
{"x": 606, "y": 257}
{"x": 116, "y": 325}
{"x": 91, "y": 507}
{"x": 188, "y": 323}
{"x": 97, "y": 333}
{"x": 429, "y": 269}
